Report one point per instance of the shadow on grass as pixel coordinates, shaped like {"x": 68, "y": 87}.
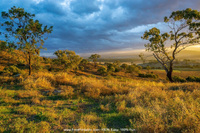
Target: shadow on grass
{"x": 117, "y": 121}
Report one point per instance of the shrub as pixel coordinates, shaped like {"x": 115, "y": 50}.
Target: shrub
{"x": 121, "y": 106}
{"x": 124, "y": 67}
{"x": 102, "y": 70}
{"x": 193, "y": 79}
{"x": 81, "y": 68}
{"x": 147, "y": 75}
{"x": 67, "y": 91}
{"x": 63, "y": 78}
{"x": 132, "y": 68}
{"x": 105, "y": 108}
{"x": 178, "y": 79}
{"x": 40, "y": 83}
{"x": 110, "y": 68}
{"x": 11, "y": 70}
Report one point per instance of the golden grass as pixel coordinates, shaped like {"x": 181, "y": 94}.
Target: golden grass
{"x": 39, "y": 83}
{"x": 67, "y": 91}
{"x": 146, "y": 106}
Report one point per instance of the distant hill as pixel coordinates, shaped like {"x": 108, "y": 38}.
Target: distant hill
{"x": 192, "y": 53}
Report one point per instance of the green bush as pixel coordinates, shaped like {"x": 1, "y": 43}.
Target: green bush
{"x": 102, "y": 70}
{"x": 147, "y": 75}
{"x": 132, "y": 68}
{"x": 124, "y": 67}
{"x": 193, "y": 79}
{"x": 11, "y": 70}
{"x": 178, "y": 79}
{"x": 81, "y": 68}
{"x": 110, "y": 68}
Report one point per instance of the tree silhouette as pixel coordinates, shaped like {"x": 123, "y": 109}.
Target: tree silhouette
{"x": 94, "y": 58}
{"x": 185, "y": 32}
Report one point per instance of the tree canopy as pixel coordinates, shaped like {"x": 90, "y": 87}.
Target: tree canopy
{"x": 68, "y": 59}
{"x": 23, "y": 30}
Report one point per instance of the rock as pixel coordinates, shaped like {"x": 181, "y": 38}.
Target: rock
{"x": 17, "y": 75}
{"x": 57, "y": 91}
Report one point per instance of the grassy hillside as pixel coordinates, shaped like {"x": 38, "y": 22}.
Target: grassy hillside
{"x": 47, "y": 102}
{"x": 55, "y": 100}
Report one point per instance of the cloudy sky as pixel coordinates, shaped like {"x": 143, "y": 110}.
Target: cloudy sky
{"x": 92, "y": 26}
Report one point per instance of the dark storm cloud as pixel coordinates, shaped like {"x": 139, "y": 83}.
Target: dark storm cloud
{"x": 84, "y": 7}
{"x": 99, "y": 25}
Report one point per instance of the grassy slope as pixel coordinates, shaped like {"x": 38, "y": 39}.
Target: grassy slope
{"x": 57, "y": 101}
{"x": 53, "y": 101}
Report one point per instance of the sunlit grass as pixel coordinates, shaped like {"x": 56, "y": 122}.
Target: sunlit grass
{"x": 60, "y": 101}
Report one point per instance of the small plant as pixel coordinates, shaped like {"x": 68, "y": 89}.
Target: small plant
{"x": 178, "y": 79}
{"x": 105, "y": 108}
{"x": 148, "y": 75}
{"x": 67, "y": 91}
{"x": 121, "y": 106}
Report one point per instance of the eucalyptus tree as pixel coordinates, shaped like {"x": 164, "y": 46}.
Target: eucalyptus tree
{"x": 68, "y": 59}
{"x": 184, "y": 32}
{"x": 25, "y": 32}
{"x": 94, "y": 58}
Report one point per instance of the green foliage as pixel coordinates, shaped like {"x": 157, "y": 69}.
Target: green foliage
{"x": 6, "y": 46}
{"x": 132, "y": 68}
{"x": 148, "y": 68}
{"x": 193, "y": 79}
{"x": 37, "y": 63}
{"x": 110, "y": 67}
{"x": 141, "y": 55}
{"x": 147, "y": 75}
{"x": 102, "y": 70}
{"x": 94, "y": 57}
{"x": 124, "y": 67}
{"x": 178, "y": 79}
{"x": 185, "y": 32}
{"x": 81, "y": 68}
{"x": 28, "y": 33}
{"x": 84, "y": 62}
{"x": 68, "y": 59}
{"x": 11, "y": 70}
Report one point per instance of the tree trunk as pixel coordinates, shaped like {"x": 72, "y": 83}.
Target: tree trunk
{"x": 29, "y": 62}
{"x": 169, "y": 73}
{"x": 169, "y": 76}
{"x": 95, "y": 64}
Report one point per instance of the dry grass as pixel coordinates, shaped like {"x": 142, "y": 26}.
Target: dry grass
{"x": 39, "y": 83}
{"x": 94, "y": 103}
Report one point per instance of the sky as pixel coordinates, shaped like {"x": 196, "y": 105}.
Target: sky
{"x": 97, "y": 26}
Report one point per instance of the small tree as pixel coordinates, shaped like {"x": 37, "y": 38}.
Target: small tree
{"x": 141, "y": 55}
{"x": 68, "y": 59}
{"x": 94, "y": 58}
{"x": 124, "y": 67}
{"x": 185, "y": 32}
{"x": 102, "y": 70}
{"x": 148, "y": 68}
{"x": 27, "y": 32}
